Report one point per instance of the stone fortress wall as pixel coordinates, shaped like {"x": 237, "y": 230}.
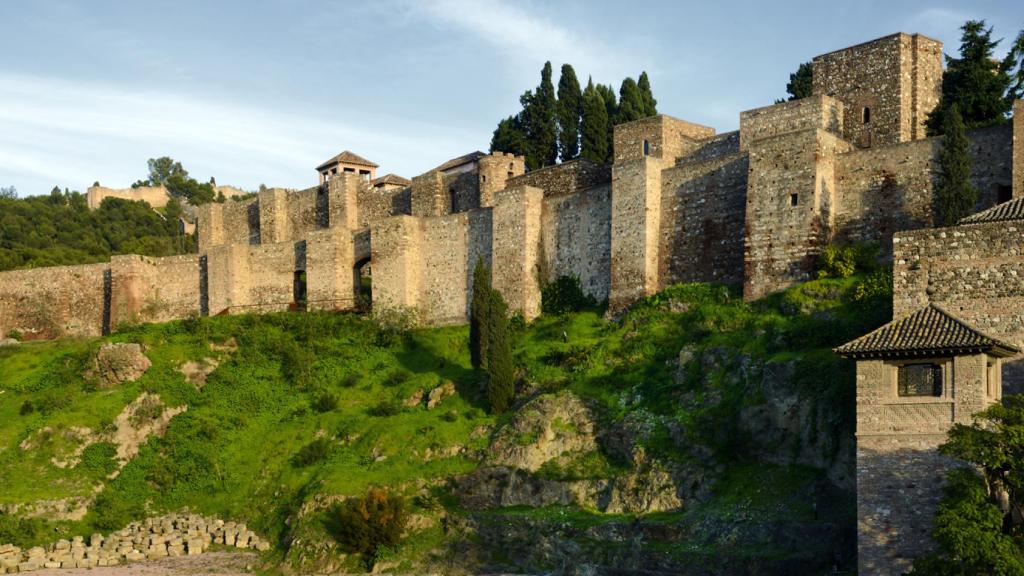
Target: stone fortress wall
{"x": 679, "y": 203}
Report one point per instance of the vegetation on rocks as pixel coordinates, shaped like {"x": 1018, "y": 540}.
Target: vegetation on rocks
{"x": 674, "y": 423}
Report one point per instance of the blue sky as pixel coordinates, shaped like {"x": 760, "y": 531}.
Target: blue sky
{"x": 262, "y": 91}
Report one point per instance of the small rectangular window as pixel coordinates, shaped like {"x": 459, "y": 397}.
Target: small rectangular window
{"x": 647, "y": 148}
{"x": 794, "y": 199}
{"x": 920, "y": 380}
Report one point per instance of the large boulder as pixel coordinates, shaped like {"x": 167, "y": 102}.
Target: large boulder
{"x": 119, "y": 363}
{"x": 545, "y": 428}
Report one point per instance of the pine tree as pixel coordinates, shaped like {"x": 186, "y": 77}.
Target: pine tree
{"x": 501, "y": 385}
{"x": 975, "y": 82}
{"x": 650, "y": 104}
{"x": 1013, "y": 66}
{"x": 955, "y": 196}
{"x": 801, "y": 82}
{"x": 540, "y": 123}
{"x": 631, "y": 104}
{"x": 509, "y": 136}
{"x": 570, "y": 109}
{"x": 478, "y": 312}
{"x": 594, "y": 130}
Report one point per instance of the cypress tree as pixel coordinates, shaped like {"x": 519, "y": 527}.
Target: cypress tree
{"x": 478, "y": 315}
{"x": 955, "y": 196}
{"x": 611, "y": 107}
{"x": 509, "y": 136}
{"x": 650, "y": 104}
{"x": 631, "y": 104}
{"x": 570, "y": 109}
{"x": 1013, "y": 66}
{"x": 594, "y": 130}
{"x": 501, "y": 386}
{"x": 541, "y": 126}
{"x": 975, "y": 83}
{"x": 801, "y": 82}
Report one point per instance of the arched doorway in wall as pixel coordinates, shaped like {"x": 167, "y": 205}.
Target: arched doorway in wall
{"x": 362, "y": 276}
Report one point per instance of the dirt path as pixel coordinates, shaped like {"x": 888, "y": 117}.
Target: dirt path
{"x": 208, "y": 564}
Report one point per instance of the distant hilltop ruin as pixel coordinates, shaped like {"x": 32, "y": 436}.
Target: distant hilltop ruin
{"x": 679, "y": 203}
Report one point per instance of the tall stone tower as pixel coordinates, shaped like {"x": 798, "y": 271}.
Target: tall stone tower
{"x": 888, "y": 87}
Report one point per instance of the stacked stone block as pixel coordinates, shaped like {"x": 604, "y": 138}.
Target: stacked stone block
{"x": 151, "y": 539}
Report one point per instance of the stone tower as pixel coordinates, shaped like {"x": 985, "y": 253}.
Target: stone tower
{"x": 916, "y": 377}
{"x": 888, "y": 87}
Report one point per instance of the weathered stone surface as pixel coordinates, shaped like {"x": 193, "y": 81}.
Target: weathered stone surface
{"x": 119, "y": 363}
{"x": 546, "y": 427}
{"x": 440, "y": 393}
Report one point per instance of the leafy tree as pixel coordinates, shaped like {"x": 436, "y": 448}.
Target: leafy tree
{"x": 163, "y": 169}
{"x": 365, "y": 525}
{"x": 9, "y": 193}
{"x": 501, "y": 386}
{"x": 977, "y": 534}
{"x": 975, "y": 83}
{"x": 539, "y": 119}
{"x": 189, "y": 189}
{"x": 650, "y": 104}
{"x": 1013, "y": 65}
{"x": 631, "y": 102}
{"x": 478, "y": 315}
{"x": 595, "y": 127}
{"x": 509, "y": 136}
{"x": 954, "y": 195}
{"x": 570, "y": 111}
{"x": 800, "y": 83}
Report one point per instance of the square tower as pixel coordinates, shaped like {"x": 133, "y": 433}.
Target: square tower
{"x": 888, "y": 87}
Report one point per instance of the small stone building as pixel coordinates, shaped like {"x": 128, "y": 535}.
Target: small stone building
{"x": 347, "y": 162}
{"x": 916, "y": 377}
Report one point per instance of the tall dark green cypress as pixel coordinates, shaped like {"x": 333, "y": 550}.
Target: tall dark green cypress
{"x": 501, "y": 385}
{"x": 479, "y": 309}
{"x": 509, "y": 136}
{"x": 650, "y": 104}
{"x": 975, "y": 82}
{"x": 631, "y": 104}
{"x": 570, "y": 109}
{"x": 594, "y": 129}
{"x": 801, "y": 82}
{"x": 955, "y": 196}
{"x": 541, "y": 126}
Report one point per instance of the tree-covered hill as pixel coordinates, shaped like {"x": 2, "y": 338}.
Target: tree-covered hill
{"x": 696, "y": 434}
{"x": 59, "y": 229}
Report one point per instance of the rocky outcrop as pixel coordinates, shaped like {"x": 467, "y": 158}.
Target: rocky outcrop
{"x": 172, "y": 535}
{"x": 119, "y": 363}
{"x": 545, "y": 428}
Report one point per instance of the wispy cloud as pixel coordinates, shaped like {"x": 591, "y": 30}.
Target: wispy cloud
{"x": 525, "y": 37}
{"x": 72, "y": 133}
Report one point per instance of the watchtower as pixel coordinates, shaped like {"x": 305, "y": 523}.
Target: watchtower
{"x": 916, "y": 377}
{"x": 888, "y": 87}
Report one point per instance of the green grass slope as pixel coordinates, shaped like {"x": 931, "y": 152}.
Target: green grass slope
{"x": 311, "y": 407}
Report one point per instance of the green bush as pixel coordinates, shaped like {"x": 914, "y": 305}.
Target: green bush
{"x": 370, "y": 524}
{"x": 325, "y": 401}
{"x": 315, "y": 452}
{"x": 843, "y": 261}
{"x": 27, "y": 407}
{"x": 22, "y": 532}
{"x": 385, "y": 408}
{"x": 565, "y": 295}
{"x": 98, "y": 460}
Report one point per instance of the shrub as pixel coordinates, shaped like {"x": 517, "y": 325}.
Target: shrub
{"x": 876, "y": 287}
{"x": 297, "y": 364}
{"x": 845, "y": 261}
{"x": 149, "y": 409}
{"x": 392, "y": 326}
{"x": 22, "y": 532}
{"x": 98, "y": 459}
{"x": 15, "y": 335}
{"x": 350, "y": 380}
{"x": 385, "y": 408}
{"x": 325, "y": 401}
{"x": 565, "y": 295}
{"x": 369, "y": 524}
{"x": 316, "y": 451}
{"x": 27, "y": 407}
{"x": 397, "y": 377}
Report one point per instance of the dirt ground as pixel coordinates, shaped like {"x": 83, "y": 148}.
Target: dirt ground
{"x": 209, "y": 564}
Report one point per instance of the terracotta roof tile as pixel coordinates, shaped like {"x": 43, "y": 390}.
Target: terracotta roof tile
{"x": 929, "y": 331}
{"x": 1010, "y": 210}
{"x": 391, "y": 179}
{"x": 464, "y": 159}
{"x": 348, "y": 157}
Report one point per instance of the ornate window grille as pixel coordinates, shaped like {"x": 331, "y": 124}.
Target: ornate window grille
{"x": 920, "y": 380}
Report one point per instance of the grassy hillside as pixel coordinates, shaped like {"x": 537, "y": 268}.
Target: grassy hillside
{"x": 305, "y": 409}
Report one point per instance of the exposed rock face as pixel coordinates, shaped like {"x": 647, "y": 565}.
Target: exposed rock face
{"x": 543, "y": 429}
{"x": 197, "y": 372}
{"x": 440, "y": 393}
{"x": 119, "y": 363}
